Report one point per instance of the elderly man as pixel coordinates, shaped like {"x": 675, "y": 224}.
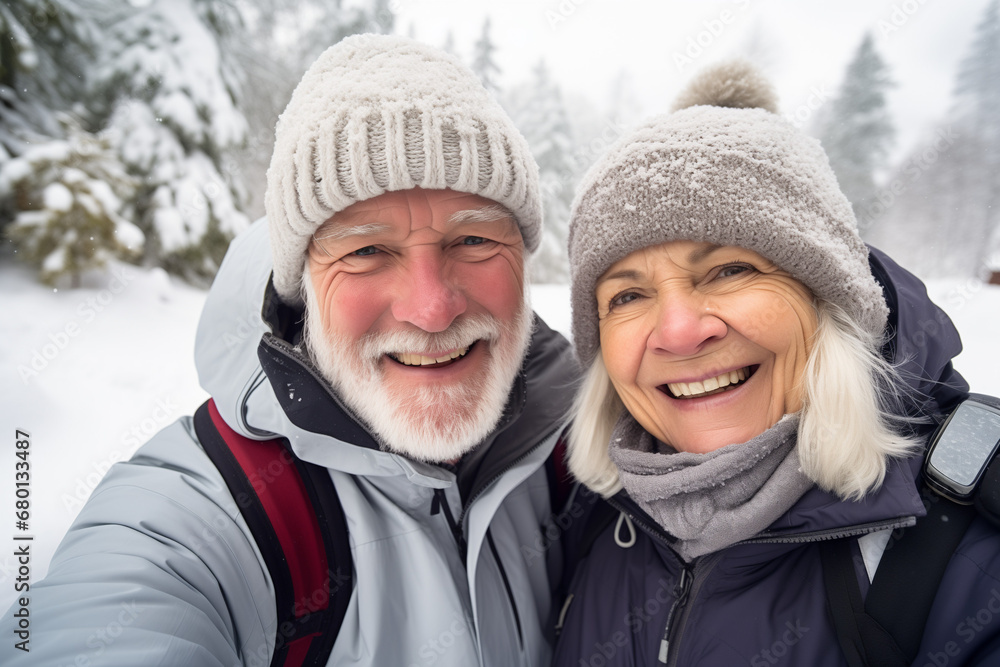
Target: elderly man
{"x": 378, "y": 324}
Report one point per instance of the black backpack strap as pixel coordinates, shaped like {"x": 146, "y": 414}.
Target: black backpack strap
{"x": 558, "y": 475}
{"x": 293, "y": 512}
{"x": 909, "y": 574}
{"x": 886, "y": 629}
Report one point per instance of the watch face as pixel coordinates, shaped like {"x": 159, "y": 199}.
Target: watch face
{"x": 965, "y": 445}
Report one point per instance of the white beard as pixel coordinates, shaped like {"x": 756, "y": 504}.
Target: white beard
{"x": 433, "y": 423}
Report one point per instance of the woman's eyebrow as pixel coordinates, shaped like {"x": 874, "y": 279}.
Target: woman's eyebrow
{"x": 701, "y": 253}
{"x": 624, "y": 274}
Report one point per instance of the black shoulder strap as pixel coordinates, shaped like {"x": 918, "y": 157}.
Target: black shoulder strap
{"x": 886, "y": 630}
{"x": 293, "y": 512}
{"x": 558, "y": 475}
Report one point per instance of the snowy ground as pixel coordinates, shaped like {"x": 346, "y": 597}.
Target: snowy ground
{"x": 94, "y": 372}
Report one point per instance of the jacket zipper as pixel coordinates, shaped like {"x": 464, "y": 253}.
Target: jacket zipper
{"x": 506, "y": 585}
{"x": 482, "y": 489}
{"x": 836, "y": 533}
{"x": 681, "y": 592}
{"x": 440, "y": 501}
{"x": 697, "y": 574}
{"x": 689, "y": 581}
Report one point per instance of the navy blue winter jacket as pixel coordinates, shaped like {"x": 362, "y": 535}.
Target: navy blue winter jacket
{"x": 762, "y": 602}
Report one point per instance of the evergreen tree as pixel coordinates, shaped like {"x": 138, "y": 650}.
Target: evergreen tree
{"x": 169, "y": 96}
{"x": 538, "y": 111}
{"x": 941, "y": 216}
{"x": 282, "y": 38}
{"x": 44, "y": 52}
{"x": 975, "y": 210}
{"x": 483, "y": 60}
{"x": 69, "y": 194}
{"x": 857, "y": 132}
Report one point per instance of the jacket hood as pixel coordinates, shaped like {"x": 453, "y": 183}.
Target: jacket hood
{"x": 921, "y": 342}
{"x": 921, "y": 339}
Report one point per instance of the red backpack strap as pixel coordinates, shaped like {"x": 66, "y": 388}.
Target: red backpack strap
{"x": 293, "y": 512}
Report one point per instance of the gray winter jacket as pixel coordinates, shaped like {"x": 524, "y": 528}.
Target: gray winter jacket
{"x": 160, "y": 567}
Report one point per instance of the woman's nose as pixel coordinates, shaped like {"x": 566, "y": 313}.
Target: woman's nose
{"x": 426, "y": 297}
{"x": 684, "y": 324}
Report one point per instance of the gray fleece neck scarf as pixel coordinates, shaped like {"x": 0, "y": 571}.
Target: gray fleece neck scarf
{"x": 710, "y": 501}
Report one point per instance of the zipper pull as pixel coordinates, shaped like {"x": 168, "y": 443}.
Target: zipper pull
{"x": 681, "y": 592}
{"x": 683, "y": 586}
{"x": 562, "y": 614}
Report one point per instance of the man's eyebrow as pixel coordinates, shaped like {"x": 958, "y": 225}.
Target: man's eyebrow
{"x": 484, "y": 214}
{"x": 338, "y": 232}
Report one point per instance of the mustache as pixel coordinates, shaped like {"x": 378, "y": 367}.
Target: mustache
{"x": 463, "y": 332}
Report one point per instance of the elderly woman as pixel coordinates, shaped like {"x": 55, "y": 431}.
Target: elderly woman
{"x": 739, "y": 410}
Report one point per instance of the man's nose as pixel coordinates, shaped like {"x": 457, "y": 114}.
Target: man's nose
{"x": 685, "y": 324}
{"x": 427, "y": 297}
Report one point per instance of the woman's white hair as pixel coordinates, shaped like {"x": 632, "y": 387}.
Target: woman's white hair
{"x": 846, "y": 428}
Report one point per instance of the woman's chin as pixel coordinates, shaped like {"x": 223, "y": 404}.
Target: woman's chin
{"x": 709, "y": 441}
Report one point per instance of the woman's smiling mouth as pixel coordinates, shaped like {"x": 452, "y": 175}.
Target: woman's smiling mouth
{"x": 709, "y": 386}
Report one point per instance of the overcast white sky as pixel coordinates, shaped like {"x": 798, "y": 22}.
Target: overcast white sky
{"x": 587, "y": 43}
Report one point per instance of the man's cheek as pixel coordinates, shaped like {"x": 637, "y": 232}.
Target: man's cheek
{"x": 498, "y": 286}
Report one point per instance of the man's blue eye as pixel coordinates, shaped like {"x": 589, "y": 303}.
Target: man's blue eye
{"x": 364, "y": 252}
{"x": 473, "y": 240}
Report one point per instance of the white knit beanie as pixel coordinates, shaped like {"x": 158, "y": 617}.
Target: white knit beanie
{"x": 378, "y": 113}
{"x": 726, "y": 169}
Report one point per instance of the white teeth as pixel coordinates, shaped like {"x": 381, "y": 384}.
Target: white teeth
{"x": 414, "y": 359}
{"x": 710, "y": 384}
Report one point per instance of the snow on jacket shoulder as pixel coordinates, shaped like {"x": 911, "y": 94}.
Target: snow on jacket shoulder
{"x": 763, "y": 601}
{"x": 160, "y": 567}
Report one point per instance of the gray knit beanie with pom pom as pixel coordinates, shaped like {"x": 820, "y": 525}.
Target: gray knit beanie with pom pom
{"x": 726, "y": 169}
{"x": 377, "y": 113}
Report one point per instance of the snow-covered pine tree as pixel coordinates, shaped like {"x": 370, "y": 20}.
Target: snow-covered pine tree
{"x": 975, "y": 209}
{"x": 68, "y": 195}
{"x": 483, "y": 60}
{"x": 169, "y": 97}
{"x": 941, "y": 218}
{"x": 44, "y": 51}
{"x": 282, "y": 38}
{"x": 857, "y": 131}
{"x": 538, "y": 111}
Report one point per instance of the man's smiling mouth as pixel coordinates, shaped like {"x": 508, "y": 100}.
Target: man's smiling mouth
{"x": 417, "y": 359}
{"x": 709, "y": 386}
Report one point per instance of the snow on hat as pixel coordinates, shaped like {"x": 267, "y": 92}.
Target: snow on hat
{"x": 726, "y": 169}
{"x": 377, "y": 113}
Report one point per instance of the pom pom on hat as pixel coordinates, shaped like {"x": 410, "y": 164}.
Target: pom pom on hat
{"x": 735, "y": 84}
